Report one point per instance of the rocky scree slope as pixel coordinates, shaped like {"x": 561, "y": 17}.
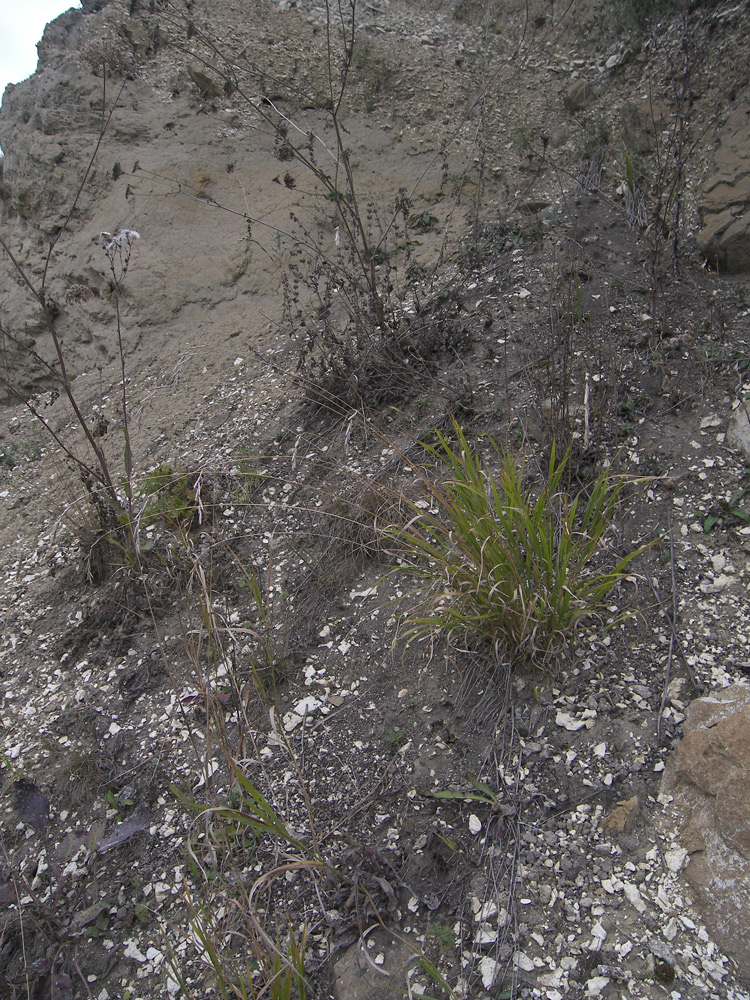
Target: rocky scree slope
{"x": 586, "y": 893}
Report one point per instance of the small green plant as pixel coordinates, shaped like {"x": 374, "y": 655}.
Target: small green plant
{"x": 170, "y": 495}
{"x": 113, "y": 802}
{"x": 247, "y": 479}
{"x": 507, "y": 567}
{"x": 253, "y": 815}
{"x": 423, "y": 222}
{"x": 731, "y": 510}
{"x": 482, "y": 793}
{"x": 443, "y": 935}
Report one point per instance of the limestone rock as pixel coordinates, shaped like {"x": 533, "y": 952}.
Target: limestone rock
{"x": 725, "y": 207}
{"x": 708, "y": 777}
{"x": 203, "y": 81}
{"x": 578, "y": 96}
{"x": 622, "y": 817}
{"x": 738, "y": 430}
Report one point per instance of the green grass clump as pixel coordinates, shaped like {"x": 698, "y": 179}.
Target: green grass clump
{"x": 509, "y": 566}
{"x": 170, "y": 496}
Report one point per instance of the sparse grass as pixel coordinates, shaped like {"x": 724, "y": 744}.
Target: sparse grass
{"x": 251, "y": 815}
{"x": 242, "y": 960}
{"x": 247, "y": 951}
{"x": 248, "y": 480}
{"x": 505, "y": 566}
{"x": 170, "y": 495}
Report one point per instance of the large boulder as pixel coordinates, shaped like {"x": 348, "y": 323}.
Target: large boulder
{"x": 725, "y": 206}
{"x": 708, "y": 779}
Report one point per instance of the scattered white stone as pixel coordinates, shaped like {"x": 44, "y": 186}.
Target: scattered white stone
{"x": 634, "y": 897}
{"x": 485, "y": 935}
{"x": 291, "y": 720}
{"x": 718, "y": 562}
{"x": 670, "y": 931}
{"x": 716, "y": 585}
{"x": 204, "y": 776}
{"x": 595, "y": 985}
{"x": 488, "y": 970}
{"x": 598, "y": 937}
{"x": 522, "y": 961}
{"x": 487, "y": 911}
{"x": 173, "y": 987}
{"x": 552, "y": 979}
{"x": 714, "y": 970}
{"x": 133, "y": 951}
{"x": 662, "y": 900}
{"x": 475, "y": 824}
{"x": 600, "y": 750}
{"x": 162, "y": 890}
{"x": 567, "y": 721}
{"x": 675, "y": 859}
{"x": 308, "y": 705}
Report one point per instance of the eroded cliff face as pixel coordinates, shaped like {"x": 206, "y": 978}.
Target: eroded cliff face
{"x": 170, "y": 105}
{"x": 115, "y": 92}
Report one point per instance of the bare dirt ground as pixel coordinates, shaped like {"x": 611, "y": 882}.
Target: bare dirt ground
{"x": 447, "y": 820}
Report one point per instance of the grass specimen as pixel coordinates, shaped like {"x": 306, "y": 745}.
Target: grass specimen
{"x": 253, "y": 814}
{"x": 507, "y": 566}
{"x": 241, "y": 959}
{"x": 171, "y": 495}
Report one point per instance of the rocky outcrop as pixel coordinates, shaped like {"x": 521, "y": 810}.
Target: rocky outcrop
{"x": 708, "y": 778}
{"x": 725, "y": 207}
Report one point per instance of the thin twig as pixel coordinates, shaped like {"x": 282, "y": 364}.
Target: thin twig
{"x": 675, "y": 645}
